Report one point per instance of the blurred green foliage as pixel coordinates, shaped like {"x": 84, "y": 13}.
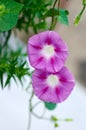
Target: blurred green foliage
{"x": 12, "y": 65}
{"x": 33, "y": 15}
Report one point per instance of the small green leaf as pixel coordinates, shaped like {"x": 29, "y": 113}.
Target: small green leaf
{"x": 62, "y": 17}
{"x": 50, "y": 106}
{"x": 77, "y": 20}
{"x": 53, "y": 118}
{"x": 68, "y": 119}
{"x": 9, "y": 11}
{"x": 56, "y": 125}
{"x": 13, "y": 66}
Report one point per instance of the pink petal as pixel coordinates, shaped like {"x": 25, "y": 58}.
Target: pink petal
{"x": 62, "y": 55}
{"x": 57, "y": 41}
{"x": 35, "y": 59}
{"x": 33, "y": 49}
{"x": 38, "y": 60}
{"x": 56, "y": 63}
{"x": 49, "y": 96}
{"x": 44, "y": 37}
{"x": 38, "y": 82}
{"x": 35, "y": 40}
{"x": 65, "y": 75}
{"x": 56, "y": 94}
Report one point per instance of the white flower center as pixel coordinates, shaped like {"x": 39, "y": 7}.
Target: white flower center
{"x": 52, "y": 80}
{"x": 48, "y": 51}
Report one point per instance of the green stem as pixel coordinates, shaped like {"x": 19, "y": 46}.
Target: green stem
{"x": 53, "y": 21}
{"x": 7, "y": 38}
{"x": 58, "y": 5}
{"x": 84, "y": 6}
{"x": 78, "y": 18}
{"x": 40, "y": 117}
{"x": 36, "y": 104}
{"x": 30, "y": 109}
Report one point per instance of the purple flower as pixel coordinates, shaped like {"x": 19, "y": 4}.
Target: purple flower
{"x": 47, "y": 51}
{"x": 52, "y": 87}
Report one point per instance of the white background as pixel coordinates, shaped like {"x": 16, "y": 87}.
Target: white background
{"x": 14, "y": 111}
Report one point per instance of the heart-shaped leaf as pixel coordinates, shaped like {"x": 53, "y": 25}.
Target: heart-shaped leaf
{"x": 9, "y": 12}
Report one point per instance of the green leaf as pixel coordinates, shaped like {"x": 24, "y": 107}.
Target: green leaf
{"x": 52, "y": 10}
{"x": 77, "y": 20}
{"x": 56, "y": 125}
{"x": 9, "y": 12}
{"x": 50, "y": 106}
{"x": 7, "y": 80}
{"x": 63, "y": 16}
{"x": 13, "y": 65}
{"x": 68, "y": 119}
{"x": 41, "y": 25}
{"x": 53, "y": 118}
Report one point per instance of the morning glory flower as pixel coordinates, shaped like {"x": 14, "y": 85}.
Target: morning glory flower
{"x": 47, "y": 51}
{"x": 53, "y": 87}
